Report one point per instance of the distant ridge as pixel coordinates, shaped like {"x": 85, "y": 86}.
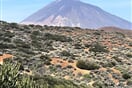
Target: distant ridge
{"x": 115, "y": 29}
{"x": 75, "y": 13}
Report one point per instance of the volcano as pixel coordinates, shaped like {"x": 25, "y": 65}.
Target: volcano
{"x": 74, "y": 13}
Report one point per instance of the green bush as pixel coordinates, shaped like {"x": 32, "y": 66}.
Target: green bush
{"x": 126, "y": 76}
{"x": 97, "y": 33}
{"x": 13, "y": 25}
{"x": 88, "y": 65}
{"x": 7, "y": 46}
{"x": 129, "y": 82}
{"x": 9, "y": 34}
{"x": 36, "y": 33}
{"x": 55, "y": 37}
{"x": 87, "y": 76}
{"x": 10, "y": 77}
{"x": 120, "y": 35}
{"x": 87, "y": 45}
{"x": 99, "y": 84}
{"x": 46, "y": 59}
{"x": 98, "y": 48}
{"x": 130, "y": 44}
{"x": 109, "y": 63}
{"x": 129, "y": 55}
{"x": 78, "y": 46}
{"x": 65, "y": 53}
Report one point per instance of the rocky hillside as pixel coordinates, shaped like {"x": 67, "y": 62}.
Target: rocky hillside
{"x": 93, "y": 58}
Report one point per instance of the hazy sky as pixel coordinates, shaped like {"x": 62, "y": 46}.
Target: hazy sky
{"x": 17, "y": 10}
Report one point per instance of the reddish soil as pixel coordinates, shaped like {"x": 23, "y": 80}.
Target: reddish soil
{"x": 5, "y": 56}
{"x": 64, "y": 64}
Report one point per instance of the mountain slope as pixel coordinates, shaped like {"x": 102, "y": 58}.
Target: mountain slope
{"x": 75, "y": 13}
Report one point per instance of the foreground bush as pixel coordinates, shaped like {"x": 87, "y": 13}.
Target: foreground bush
{"x": 10, "y": 77}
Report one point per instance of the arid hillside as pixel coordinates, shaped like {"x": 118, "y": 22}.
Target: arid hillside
{"x": 95, "y": 58}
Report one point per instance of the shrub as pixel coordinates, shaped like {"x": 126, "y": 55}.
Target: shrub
{"x": 26, "y": 51}
{"x": 70, "y": 61}
{"x": 97, "y": 33}
{"x": 78, "y": 46}
{"x": 87, "y": 45}
{"x": 88, "y": 65}
{"x": 109, "y": 63}
{"x": 10, "y": 77}
{"x": 9, "y": 34}
{"x": 36, "y": 33}
{"x": 46, "y": 59}
{"x": 99, "y": 84}
{"x": 7, "y": 46}
{"x": 129, "y": 55}
{"x": 87, "y": 76}
{"x": 5, "y": 39}
{"x": 121, "y": 35}
{"x": 117, "y": 59}
{"x": 126, "y": 76}
{"x": 98, "y": 48}
{"x": 69, "y": 66}
{"x": 129, "y": 82}
{"x": 13, "y": 25}
{"x": 55, "y": 37}
{"x": 130, "y": 44}
{"x": 65, "y": 53}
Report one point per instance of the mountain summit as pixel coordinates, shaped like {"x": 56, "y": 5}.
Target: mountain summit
{"x": 75, "y": 13}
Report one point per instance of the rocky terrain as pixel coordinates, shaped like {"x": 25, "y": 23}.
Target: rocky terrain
{"x": 94, "y": 58}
